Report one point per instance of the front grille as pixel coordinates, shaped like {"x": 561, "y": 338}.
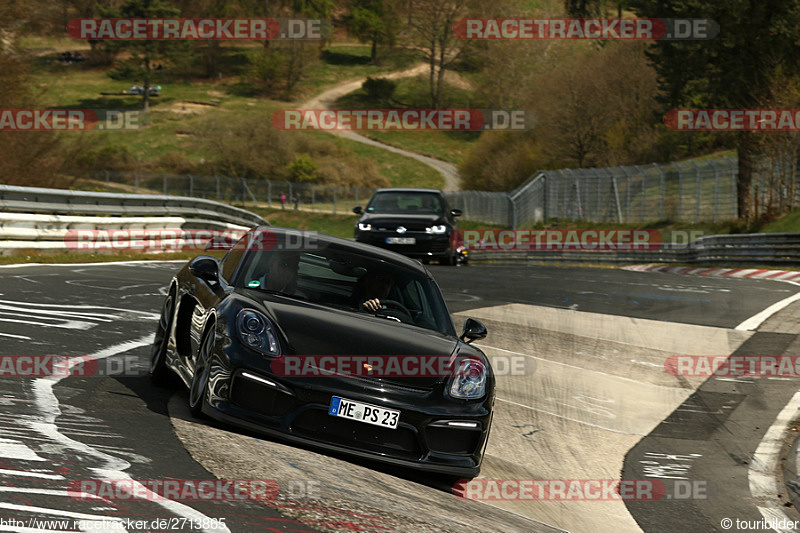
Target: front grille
{"x": 319, "y": 425}
{"x": 451, "y": 440}
{"x": 260, "y": 398}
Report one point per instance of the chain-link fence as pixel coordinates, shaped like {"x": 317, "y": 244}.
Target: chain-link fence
{"x": 689, "y": 191}
{"x": 246, "y": 192}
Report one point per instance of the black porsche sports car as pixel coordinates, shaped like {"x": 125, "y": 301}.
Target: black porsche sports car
{"x": 231, "y": 328}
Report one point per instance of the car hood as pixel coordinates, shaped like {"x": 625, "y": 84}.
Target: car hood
{"x": 410, "y": 221}
{"x": 310, "y": 329}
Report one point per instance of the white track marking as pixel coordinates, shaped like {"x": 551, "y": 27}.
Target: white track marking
{"x": 99, "y": 263}
{"x": 14, "y": 449}
{"x": 25, "y": 473}
{"x": 59, "y": 512}
{"x": 114, "y": 467}
{"x": 761, "y": 474}
{"x": 570, "y": 419}
{"x": 22, "y": 337}
{"x": 756, "y": 320}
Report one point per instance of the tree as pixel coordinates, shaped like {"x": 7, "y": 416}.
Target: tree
{"x": 758, "y": 42}
{"x": 583, "y": 8}
{"x": 143, "y": 53}
{"x": 374, "y": 21}
{"x": 433, "y": 27}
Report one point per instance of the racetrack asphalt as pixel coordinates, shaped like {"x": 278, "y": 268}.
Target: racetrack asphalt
{"x": 592, "y": 408}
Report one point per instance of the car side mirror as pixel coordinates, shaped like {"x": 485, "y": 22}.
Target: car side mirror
{"x": 473, "y": 330}
{"x": 205, "y": 267}
{"x": 357, "y": 210}
{"x": 456, "y": 212}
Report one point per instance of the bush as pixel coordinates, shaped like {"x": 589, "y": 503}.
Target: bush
{"x": 379, "y": 89}
{"x": 303, "y": 169}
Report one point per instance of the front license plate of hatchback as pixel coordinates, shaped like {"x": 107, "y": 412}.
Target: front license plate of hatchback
{"x": 401, "y": 240}
{"x": 363, "y": 412}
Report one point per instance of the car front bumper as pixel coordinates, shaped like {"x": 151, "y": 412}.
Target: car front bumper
{"x": 425, "y": 437}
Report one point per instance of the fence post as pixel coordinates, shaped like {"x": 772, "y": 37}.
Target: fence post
{"x": 313, "y": 198}
{"x": 716, "y": 188}
{"x": 269, "y": 193}
{"x": 735, "y": 202}
{"x": 598, "y": 179}
{"x": 216, "y": 179}
{"x": 191, "y": 185}
{"x": 136, "y": 182}
{"x": 164, "y": 180}
{"x": 644, "y": 193}
{"x": 663, "y": 190}
{"x": 680, "y": 191}
{"x": 697, "y": 191}
{"x": 629, "y": 181}
{"x": 512, "y": 212}
{"x": 545, "y": 199}
{"x": 356, "y": 194}
{"x": 108, "y": 176}
{"x": 334, "y": 199}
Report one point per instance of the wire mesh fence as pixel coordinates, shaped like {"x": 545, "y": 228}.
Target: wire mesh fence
{"x": 689, "y": 191}
{"x": 241, "y": 191}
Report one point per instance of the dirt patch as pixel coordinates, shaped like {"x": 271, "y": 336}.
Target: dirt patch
{"x": 190, "y": 108}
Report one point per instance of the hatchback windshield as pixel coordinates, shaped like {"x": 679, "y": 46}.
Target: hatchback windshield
{"x": 405, "y": 202}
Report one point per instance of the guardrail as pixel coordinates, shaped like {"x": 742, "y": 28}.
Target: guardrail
{"x": 33, "y": 217}
{"x": 750, "y": 249}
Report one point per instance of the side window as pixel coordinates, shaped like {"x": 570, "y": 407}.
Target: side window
{"x": 229, "y": 264}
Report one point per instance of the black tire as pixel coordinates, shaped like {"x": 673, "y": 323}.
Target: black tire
{"x": 449, "y": 260}
{"x": 160, "y": 374}
{"x": 199, "y": 386}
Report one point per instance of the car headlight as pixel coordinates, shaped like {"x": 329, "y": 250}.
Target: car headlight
{"x": 436, "y": 230}
{"x": 364, "y": 227}
{"x": 469, "y": 380}
{"x": 256, "y": 332}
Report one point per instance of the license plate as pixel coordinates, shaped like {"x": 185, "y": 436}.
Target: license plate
{"x": 401, "y": 240}
{"x": 363, "y": 412}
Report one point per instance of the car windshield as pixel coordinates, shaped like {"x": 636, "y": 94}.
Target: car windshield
{"x": 405, "y": 202}
{"x": 344, "y": 280}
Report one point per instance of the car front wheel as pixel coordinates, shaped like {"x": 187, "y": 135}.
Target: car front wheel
{"x": 199, "y": 386}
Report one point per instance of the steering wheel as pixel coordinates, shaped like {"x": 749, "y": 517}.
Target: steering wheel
{"x": 396, "y": 306}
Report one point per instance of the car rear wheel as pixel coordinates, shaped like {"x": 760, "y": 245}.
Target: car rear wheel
{"x": 199, "y": 386}
{"x": 449, "y": 259}
{"x": 159, "y": 372}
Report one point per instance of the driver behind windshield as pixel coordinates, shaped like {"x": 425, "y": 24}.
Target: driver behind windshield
{"x": 372, "y": 288}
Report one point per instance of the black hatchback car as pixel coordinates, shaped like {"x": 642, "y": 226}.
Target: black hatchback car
{"x": 417, "y": 223}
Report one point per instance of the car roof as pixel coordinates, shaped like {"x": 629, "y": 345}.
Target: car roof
{"x": 357, "y": 247}
{"x": 407, "y": 189}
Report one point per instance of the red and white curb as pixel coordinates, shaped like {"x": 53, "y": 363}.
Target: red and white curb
{"x": 752, "y": 323}
{"x": 748, "y": 273}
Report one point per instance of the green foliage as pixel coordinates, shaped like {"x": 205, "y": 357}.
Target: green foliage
{"x": 379, "y": 89}
{"x": 374, "y": 21}
{"x": 303, "y": 169}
